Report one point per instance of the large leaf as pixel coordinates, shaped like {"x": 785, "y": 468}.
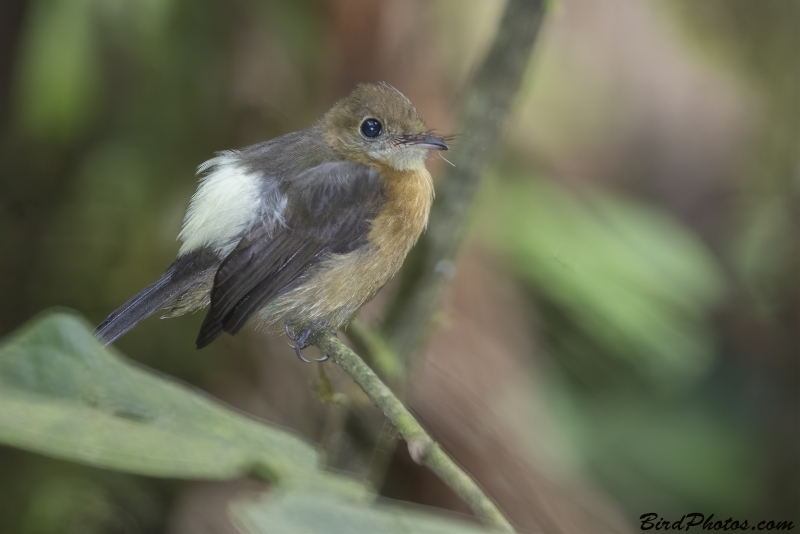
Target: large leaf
{"x": 301, "y": 514}
{"x": 65, "y": 395}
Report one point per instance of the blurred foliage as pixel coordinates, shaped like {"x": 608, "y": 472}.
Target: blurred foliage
{"x": 59, "y": 52}
{"x": 65, "y": 395}
{"x": 72, "y": 503}
{"x": 626, "y": 294}
{"x": 634, "y": 282}
{"x": 764, "y": 251}
{"x": 303, "y": 514}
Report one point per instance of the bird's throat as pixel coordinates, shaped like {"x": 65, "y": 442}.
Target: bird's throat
{"x": 409, "y": 195}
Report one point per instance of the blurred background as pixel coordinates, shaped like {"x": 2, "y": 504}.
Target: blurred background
{"x": 622, "y": 335}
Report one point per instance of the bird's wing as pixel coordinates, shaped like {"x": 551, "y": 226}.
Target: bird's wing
{"x": 329, "y": 211}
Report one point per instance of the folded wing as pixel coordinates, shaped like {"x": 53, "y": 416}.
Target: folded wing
{"x": 329, "y": 211}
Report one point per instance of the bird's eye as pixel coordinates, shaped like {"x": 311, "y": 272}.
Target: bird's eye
{"x": 371, "y": 128}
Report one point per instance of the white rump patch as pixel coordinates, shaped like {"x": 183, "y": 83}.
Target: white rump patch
{"x": 228, "y": 201}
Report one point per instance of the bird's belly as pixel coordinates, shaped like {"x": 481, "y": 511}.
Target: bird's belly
{"x": 342, "y": 284}
{"x": 337, "y": 288}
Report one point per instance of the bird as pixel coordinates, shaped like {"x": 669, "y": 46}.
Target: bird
{"x": 302, "y": 229}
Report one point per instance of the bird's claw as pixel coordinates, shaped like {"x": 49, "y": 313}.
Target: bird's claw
{"x": 301, "y": 342}
{"x": 297, "y": 350}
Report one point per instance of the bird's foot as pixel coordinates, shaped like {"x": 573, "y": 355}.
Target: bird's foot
{"x": 301, "y": 342}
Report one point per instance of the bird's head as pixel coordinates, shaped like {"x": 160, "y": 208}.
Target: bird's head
{"x": 377, "y": 124}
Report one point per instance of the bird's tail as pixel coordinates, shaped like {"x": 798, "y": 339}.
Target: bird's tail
{"x": 187, "y": 271}
{"x": 140, "y": 307}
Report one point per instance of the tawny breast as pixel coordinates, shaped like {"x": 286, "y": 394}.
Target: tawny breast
{"x": 343, "y": 282}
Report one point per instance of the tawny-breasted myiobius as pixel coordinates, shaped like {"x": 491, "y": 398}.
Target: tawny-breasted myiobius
{"x": 302, "y": 229}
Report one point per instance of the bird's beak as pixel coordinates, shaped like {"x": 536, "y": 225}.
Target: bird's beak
{"x": 427, "y": 141}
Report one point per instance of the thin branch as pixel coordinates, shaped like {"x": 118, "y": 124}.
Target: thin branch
{"x": 432, "y": 263}
{"x": 423, "y": 449}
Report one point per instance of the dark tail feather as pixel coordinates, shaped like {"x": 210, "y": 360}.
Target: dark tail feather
{"x": 187, "y": 271}
{"x": 140, "y": 307}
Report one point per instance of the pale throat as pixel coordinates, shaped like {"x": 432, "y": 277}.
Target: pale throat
{"x": 406, "y": 158}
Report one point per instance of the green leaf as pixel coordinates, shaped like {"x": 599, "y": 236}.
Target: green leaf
{"x": 64, "y": 394}
{"x": 293, "y": 512}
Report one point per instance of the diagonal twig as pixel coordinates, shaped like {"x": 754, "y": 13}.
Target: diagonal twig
{"x": 423, "y": 449}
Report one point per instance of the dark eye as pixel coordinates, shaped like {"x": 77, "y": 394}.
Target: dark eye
{"x": 371, "y": 128}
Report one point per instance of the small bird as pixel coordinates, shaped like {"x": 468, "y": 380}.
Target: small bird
{"x": 302, "y": 229}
